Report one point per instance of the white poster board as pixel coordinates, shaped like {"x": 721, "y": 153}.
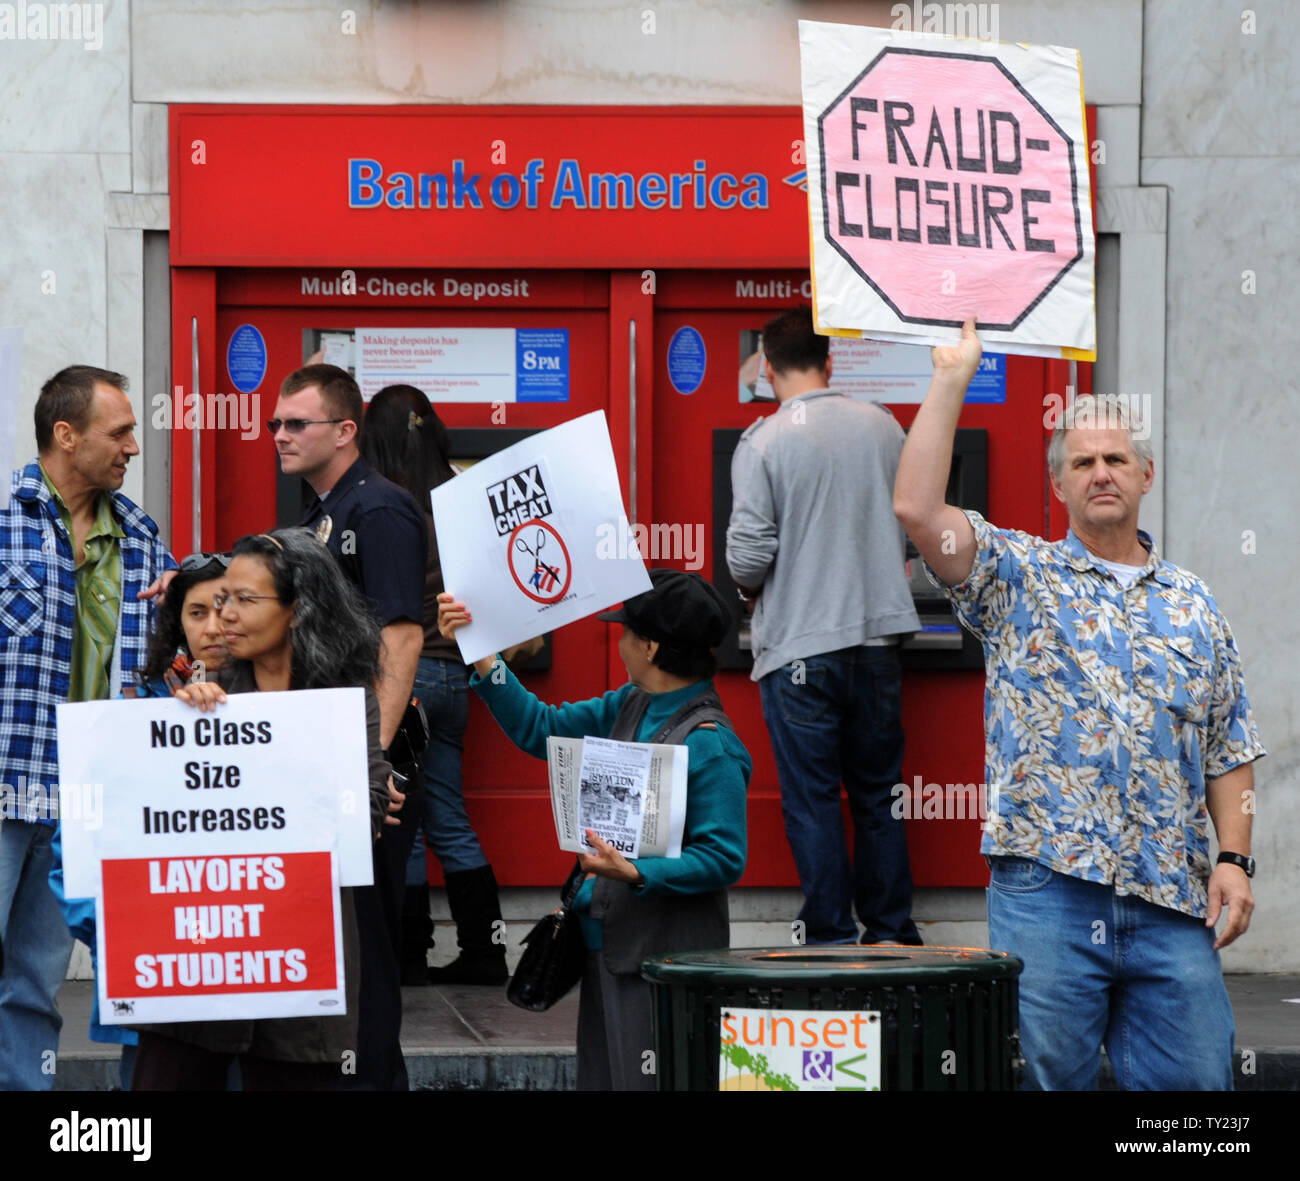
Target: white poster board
{"x": 132, "y": 777}
{"x": 214, "y": 845}
{"x": 535, "y": 537}
{"x": 948, "y": 176}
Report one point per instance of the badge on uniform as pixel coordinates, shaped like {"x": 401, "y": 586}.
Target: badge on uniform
{"x": 324, "y": 528}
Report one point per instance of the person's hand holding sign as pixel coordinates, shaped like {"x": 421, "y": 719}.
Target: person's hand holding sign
{"x": 203, "y": 695}
{"x": 958, "y": 362}
{"x": 451, "y": 617}
{"x": 608, "y": 862}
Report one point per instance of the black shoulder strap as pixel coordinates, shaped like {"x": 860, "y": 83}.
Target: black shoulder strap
{"x": 707, "y": 707}
{"x": 629, "y": 717}
{"x": 695, "y": 713}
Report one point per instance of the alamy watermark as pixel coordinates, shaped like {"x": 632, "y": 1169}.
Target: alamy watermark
{"x": 940, "y": 801}
{"x": 73, "y": 803}
{"x": 660, "y": 542}
{"x": 53, "y": 22}
{"x": 1131, "y": 412}
{"x": 956, "y": 20}
{"x": 236, "y": 412}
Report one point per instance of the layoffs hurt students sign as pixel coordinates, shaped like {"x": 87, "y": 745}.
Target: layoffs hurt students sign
{"x": 535, "y": 537}
{"x": 948, "y": 176}
{"x": 217, "y": 851}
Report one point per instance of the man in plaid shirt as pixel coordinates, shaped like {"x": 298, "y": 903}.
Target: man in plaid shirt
{"x": 76, "y": 557}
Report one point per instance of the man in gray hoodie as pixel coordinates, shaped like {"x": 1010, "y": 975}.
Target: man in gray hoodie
{"x": 817, "y": 552}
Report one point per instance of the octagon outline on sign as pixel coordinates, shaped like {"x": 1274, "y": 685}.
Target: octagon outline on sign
{"x": 1029, "y": 98}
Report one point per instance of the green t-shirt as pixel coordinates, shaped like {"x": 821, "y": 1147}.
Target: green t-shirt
{"x": 99, "y": 598}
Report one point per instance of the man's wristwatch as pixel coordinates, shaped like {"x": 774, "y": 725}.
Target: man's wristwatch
{"x": 1246, "y": 863}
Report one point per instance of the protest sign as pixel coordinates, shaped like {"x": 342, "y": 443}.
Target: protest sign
{"x": 217, "y": 938}
{"x": 215, "y": 848}
{"x": 535, "y": 537}
{"x": 948, "y": 177}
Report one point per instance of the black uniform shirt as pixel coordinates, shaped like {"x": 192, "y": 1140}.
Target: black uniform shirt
{"x": 379, "y": 536}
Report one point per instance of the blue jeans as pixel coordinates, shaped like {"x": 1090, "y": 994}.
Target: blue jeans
{"x": 837, "y": 718}
{"x": 443, "y": 689}
{"x": 1104, "y": 967}
{"x": 37, "y": 947}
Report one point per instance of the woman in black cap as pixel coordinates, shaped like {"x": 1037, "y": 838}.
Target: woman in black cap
{"x": 633, "y": 909}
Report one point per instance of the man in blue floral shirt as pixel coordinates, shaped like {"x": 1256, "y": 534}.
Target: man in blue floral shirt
{"x": 1117, "y": 730}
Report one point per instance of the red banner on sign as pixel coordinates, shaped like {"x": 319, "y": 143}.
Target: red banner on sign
{"x": 190, "y": 926}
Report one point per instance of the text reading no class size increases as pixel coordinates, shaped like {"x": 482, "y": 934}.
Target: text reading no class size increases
{"x": 204, "y": 774}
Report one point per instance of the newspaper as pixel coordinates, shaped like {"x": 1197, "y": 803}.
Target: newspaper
{"x": 632, "y": 793}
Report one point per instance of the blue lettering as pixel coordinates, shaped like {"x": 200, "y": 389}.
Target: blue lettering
{"x": 652, "y": 189}
{"x": 568, "y": 186}
{"x": 505, "y": 191}
{"x": 432, "y": 180}
{"x": 401, "y": 194}
{"x": 715, "y": 190}
{"x": 679, "y": 181}
{"x": 464, "y": 190}
{"x": 611, "y": 190}
{"x": 754, "y": 194}
{"x": 699, "y": 184}
{"x": 532, "y": 178}
{"x": 363, "y": 191}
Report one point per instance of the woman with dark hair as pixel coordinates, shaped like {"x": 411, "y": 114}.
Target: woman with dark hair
{"x": 292, "y": 621}
{"x": 405, "y": 440}
{"x": 187, "y": 640}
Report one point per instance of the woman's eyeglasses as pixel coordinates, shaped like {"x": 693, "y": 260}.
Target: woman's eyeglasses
{"x": 198, "y": 561}
{"x": 296, "y": 426}
{"x": 240, "y": 600}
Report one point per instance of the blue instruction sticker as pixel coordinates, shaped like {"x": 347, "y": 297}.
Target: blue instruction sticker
{"x": 687, "y": 360}
{"x": 990, "y": 381}
{"x": 542, "y": 364}
{"x": 246, "y": 358}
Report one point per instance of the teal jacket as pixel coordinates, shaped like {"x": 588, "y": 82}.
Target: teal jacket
{"x": 713, "y": 839}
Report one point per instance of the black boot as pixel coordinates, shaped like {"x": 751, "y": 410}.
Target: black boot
{"x": 472, "y": 896}
{"x": 417, "y": 935}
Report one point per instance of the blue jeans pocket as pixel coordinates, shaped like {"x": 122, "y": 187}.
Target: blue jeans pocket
{"x": 1018, "y": 875}
{"x": 801, "y": 688}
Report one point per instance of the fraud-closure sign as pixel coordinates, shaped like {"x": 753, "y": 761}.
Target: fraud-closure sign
{"x": 217, "y": 850}
{"x": 535, "y": 537}
{"x": 948, "y": 176}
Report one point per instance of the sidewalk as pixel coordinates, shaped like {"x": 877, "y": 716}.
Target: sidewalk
{"x": 459, "y": 1038}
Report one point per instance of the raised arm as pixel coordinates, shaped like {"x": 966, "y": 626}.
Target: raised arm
{"x": 940, "y": 530}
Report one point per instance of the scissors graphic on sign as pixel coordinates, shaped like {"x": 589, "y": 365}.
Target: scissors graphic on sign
{"x": 540, "y": 569}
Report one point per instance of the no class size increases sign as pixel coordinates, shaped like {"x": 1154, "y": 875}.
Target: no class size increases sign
{"x": 218, "y": 851}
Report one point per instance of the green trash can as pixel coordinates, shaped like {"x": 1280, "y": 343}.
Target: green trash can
{"x": 840, "y": 1017}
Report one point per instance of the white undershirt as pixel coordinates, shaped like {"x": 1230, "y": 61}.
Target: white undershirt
{"x": 1127, "y": 575}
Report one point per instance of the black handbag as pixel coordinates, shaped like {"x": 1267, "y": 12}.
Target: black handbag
{"x": 554, "y": 954}
{"x": 406, "y": 752}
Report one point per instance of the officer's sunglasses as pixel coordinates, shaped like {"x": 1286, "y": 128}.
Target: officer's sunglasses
{"x": 296, "y": 426}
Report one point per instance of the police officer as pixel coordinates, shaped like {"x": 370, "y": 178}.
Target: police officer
{"x": 378, "y": 534}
